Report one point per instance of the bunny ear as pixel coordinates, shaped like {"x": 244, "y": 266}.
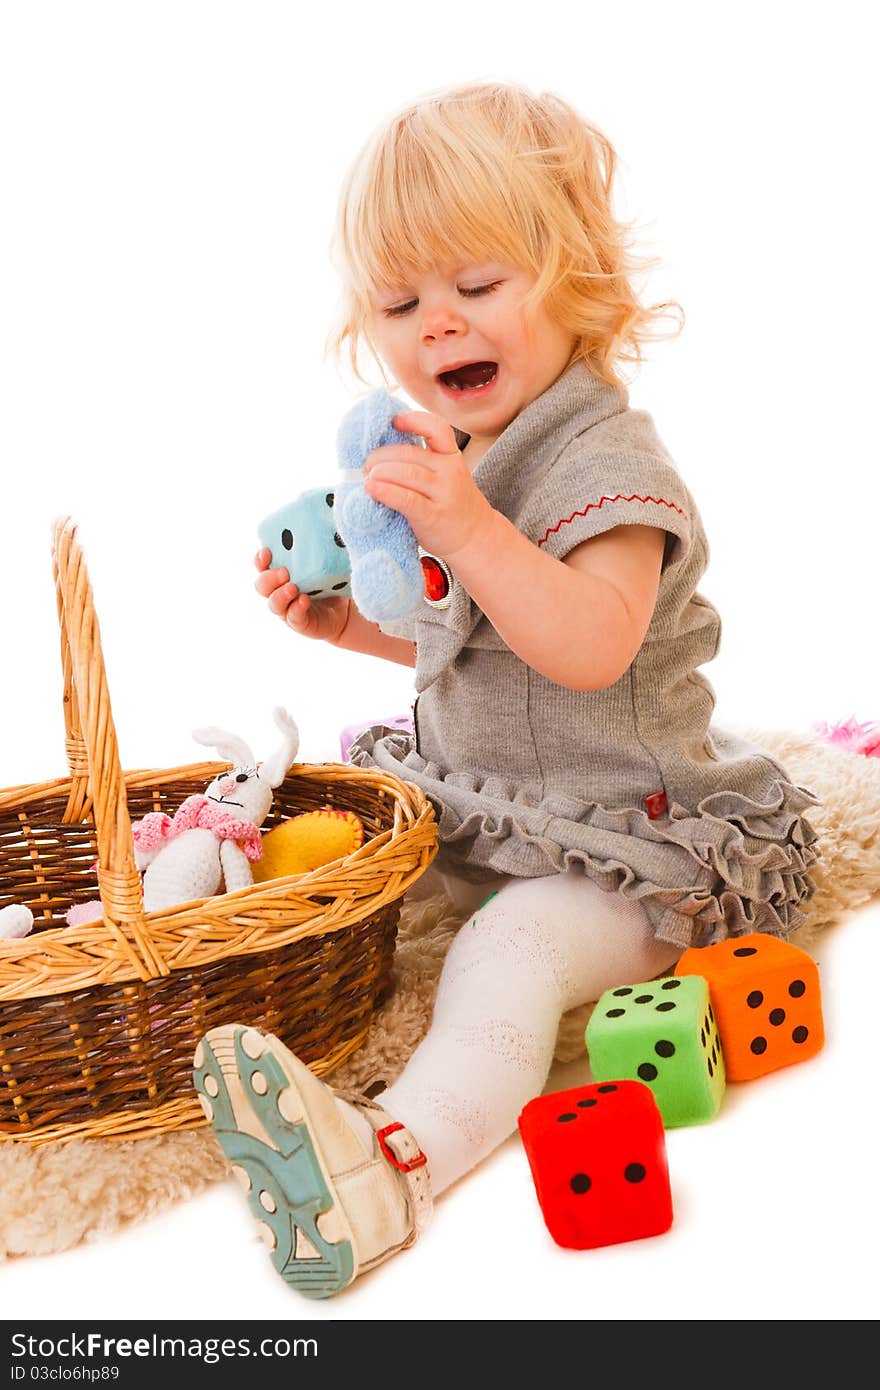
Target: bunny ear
{"x": 274, "y": 769}
{"x": 235, "y": 750}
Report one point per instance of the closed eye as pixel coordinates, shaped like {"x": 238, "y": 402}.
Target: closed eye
{"x": 466, "y": 291}
{"x": 397, "y": 309}
{"x": 470, "y": 291}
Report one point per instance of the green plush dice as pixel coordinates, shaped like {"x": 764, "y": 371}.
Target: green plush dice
{"x": 662, "y": 1032}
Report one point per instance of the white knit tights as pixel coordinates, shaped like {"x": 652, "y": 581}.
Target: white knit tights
{"x": 539, "y": 947}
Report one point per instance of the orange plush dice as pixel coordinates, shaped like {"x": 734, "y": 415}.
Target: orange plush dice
{"x": 766, "y": 998}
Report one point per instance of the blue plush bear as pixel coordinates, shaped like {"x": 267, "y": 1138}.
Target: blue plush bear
{"x": 341, "y": 541}
{"x": 386, "y": 573}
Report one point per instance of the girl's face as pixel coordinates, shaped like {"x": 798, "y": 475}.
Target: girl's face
{"x": 458, "y": 341}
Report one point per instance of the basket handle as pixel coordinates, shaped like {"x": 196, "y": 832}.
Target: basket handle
{"x": 93, "y": 754}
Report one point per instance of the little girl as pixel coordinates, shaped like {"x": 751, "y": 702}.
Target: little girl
{"x": 587, "y": 809}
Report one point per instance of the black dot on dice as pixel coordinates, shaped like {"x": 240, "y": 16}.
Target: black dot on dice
{"x": 338, "y": 540}
{"x": 800, "y": 1034}
{"x": 287, "y": 539}
{"x": 329, "y": 499}
{"x": 634, "y": 1172}
{"x": 603, "y": 1089}
{"x": 796, "y": 989}
{"x": 584, "y": 1104}
{"x": 714, "y": 1054}
{"x": 711, "y": 1015}
{"x": 711, "y": 1068}
{"x": 615, "y": 1013}
{"x": 643, "y": 998}
{"x": 702, "y": 1037}
{"x": 563, "y": 1119}
{"x": 647, "y": 1071}
{"x": 670, "y": 984}
{"x": 580, "y": 1183}
{"x": 746, "y": 951}
{"x": 758, "y": 1046}
{"x": 755, "y": 999}
{"x": 666, "y": 1006}
{"x": 777, "y": 1016}
{"x": 618, "y": 992}
{"x": 664, "y": 1048}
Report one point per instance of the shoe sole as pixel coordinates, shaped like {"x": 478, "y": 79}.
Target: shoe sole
{"x": 240, "y": 1076}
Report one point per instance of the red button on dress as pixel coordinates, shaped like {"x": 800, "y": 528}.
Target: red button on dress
{"x": 656, "y": 805}
{"x": 436, "y": 578}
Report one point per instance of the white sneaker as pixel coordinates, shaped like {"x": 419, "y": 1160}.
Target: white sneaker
{"x": 329, "y": 1208}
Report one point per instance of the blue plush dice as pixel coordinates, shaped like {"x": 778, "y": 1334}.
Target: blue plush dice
{"x": 302, "y": 536}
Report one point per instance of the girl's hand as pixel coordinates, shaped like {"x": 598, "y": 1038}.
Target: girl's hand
{"x": 323, "y": 618}
{"x": 431, "y": 487}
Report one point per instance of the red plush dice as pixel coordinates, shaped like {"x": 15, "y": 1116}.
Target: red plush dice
{"x": 767, "y": 1001}
{"x": 598, "y": 1161}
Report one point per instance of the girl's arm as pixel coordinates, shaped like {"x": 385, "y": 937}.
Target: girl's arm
{"x": 580, "y": 620}
{"x": 360, "y": 635}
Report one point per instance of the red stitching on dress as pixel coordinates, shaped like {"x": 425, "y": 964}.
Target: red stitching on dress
{"x": 621, "y": 497}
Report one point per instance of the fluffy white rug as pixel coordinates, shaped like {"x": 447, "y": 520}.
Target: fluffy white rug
{"x": 54, "y": 1196}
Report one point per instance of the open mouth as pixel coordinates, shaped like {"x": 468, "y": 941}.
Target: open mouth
{"x": 221, "y": 801}
{"x": 469, "y": 377}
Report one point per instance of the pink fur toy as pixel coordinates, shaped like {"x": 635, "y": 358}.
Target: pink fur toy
{"x": 84, "y": 912}
{"x": 858, "y": 738}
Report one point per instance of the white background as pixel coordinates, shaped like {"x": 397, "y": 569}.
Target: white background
{"x": 168, "y": 175}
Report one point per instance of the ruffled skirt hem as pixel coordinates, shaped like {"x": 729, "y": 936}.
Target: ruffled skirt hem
{"x": 731, "y": 866}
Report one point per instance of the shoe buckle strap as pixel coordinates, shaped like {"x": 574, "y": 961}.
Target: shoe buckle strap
{"x": 400, "y": 1149}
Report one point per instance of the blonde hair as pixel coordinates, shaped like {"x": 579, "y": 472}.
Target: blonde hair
{"x": 487, "y": 170}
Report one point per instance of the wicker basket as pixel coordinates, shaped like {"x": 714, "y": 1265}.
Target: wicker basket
{"x": 99, "y": 1022}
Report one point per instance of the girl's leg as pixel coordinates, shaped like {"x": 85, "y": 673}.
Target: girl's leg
{"x": 535, "y": 949}
{"x": 336, "y": 1185}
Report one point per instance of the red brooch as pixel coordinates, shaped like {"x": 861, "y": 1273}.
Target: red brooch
{"x": 438, "y": 581}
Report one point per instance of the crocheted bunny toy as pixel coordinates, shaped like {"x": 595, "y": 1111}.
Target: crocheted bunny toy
{"x": 213, "y": 839}
{"x": 386, "y": 573}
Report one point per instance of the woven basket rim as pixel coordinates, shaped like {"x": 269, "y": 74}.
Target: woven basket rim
{"x": 220, "y": 918}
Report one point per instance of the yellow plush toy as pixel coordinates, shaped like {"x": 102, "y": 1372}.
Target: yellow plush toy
{"x": 306, "y": 842}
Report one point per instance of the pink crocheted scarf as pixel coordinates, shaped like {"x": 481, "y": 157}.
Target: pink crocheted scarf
{"x": 196, "y": 813}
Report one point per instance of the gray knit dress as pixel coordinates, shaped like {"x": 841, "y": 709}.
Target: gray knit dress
{"x": 632, "y": 785}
